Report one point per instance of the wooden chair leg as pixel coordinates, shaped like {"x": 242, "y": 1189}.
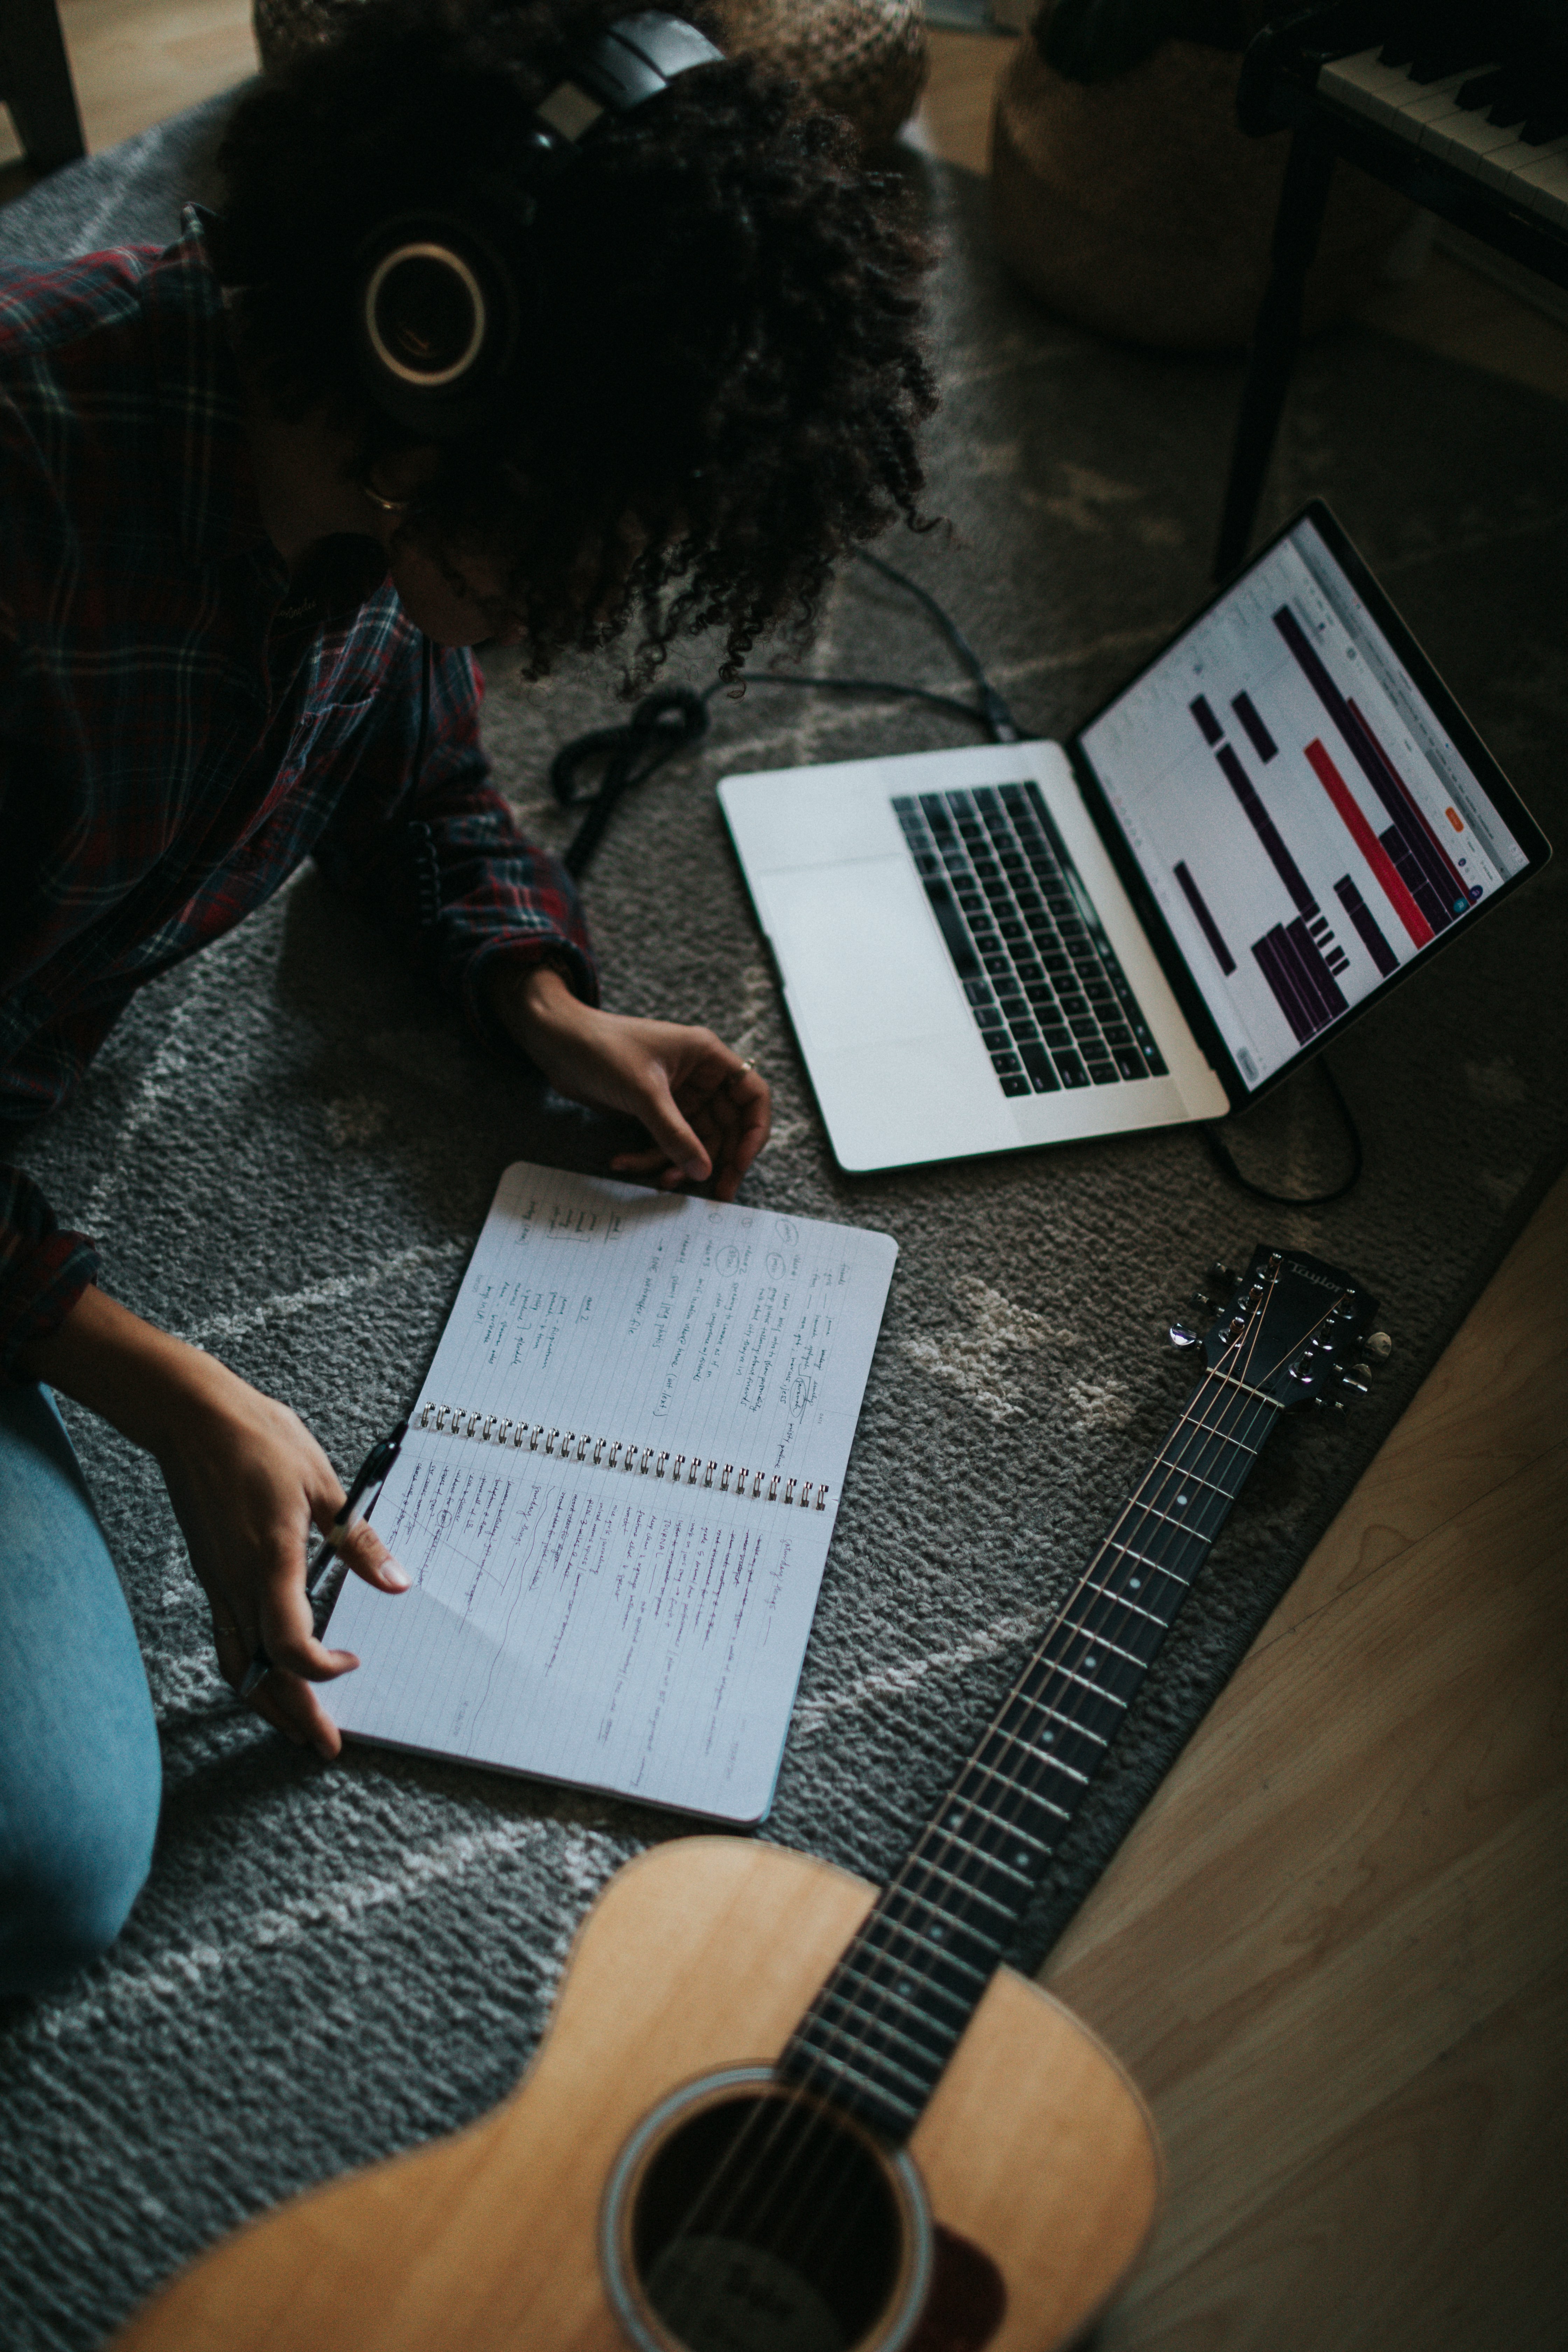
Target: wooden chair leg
{"x": 36, "y": 83}
{"x": 1275, "y": 341}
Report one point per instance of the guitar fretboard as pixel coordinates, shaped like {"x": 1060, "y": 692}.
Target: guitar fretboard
{"x": 885, "y": 2023}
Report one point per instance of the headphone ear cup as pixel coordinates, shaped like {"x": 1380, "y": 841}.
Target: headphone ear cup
{"x": 436, "y": 316}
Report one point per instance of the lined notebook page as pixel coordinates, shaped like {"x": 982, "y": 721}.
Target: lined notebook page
{"x": 595, "y": 1625}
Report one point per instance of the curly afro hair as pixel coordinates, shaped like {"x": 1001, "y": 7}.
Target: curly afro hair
{"x": 720, "y": 380}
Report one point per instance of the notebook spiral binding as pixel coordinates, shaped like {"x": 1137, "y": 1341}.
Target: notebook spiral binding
{"x": 645, "y": 1461}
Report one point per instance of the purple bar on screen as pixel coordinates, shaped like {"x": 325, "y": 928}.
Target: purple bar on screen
{"x": 1365, "y": 922}
{"x": 1282, "y": 981}
{"x": 1212, "y": 731}
{"x": 1314, "y": 974}
{"x": 1262, "y": 742}
{"x": 1211, "y": 930}
{"x": 1415, "y": 880}
{"x": 1307, "y": 992}
{"x": 1262, "y": 824}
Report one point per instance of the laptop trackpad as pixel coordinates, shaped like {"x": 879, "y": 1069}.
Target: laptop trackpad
{"x": 862, "y": 959}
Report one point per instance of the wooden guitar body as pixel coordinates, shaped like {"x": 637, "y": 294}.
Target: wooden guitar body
{"x": 1025, "y": 2191}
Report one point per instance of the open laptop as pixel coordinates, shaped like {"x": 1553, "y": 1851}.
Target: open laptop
{"x": 1281, "y": 816}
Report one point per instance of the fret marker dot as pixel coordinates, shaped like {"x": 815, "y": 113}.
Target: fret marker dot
{"x": 1047, "y": 1735}
{"x": 1133, "y": 1582}
{"x": 1181, "y": 1499}
{"x": 1021, "y": 1861}
{"x": 1091, "y": 1660}
{"x": 906, "y": 1988}
{"x": 936, "y": 1935}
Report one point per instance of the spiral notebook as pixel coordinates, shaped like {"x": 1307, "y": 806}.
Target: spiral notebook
{"x": 617, "y": 1494}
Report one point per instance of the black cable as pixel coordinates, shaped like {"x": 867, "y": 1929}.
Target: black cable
{"x": 994, "y": 712}
{"x": 675, "y": 717}
{"x": 666, "y": 722}
{"x": 1222, "y": 1154}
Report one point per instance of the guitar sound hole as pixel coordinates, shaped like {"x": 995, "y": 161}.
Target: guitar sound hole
{"x": 767, "y": 2224}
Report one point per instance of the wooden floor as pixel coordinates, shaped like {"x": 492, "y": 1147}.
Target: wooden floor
{"x": 1331, "y": 1952}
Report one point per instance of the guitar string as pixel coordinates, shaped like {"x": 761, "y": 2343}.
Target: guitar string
{"x": 882, "y": 1969}
{"x": 1260, "y": 1409}
{"x": 831, "y": 2146}
{"x": 1247, "y": 1411}
{"x": 821, "y": 2061}
{"x": 1249, "y": 1415}
{"x": 848, "y": 2219}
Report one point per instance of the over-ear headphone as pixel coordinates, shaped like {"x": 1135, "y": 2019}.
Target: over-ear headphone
{"x": 436, "y": 305}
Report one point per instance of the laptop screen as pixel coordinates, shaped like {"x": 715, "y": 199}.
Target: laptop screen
{"x": 1299, "y": 809}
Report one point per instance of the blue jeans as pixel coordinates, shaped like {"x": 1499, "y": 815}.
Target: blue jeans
{"x": 80, "y": 1770}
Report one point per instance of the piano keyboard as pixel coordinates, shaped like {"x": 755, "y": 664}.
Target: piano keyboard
{"x": 1504, "y": 122}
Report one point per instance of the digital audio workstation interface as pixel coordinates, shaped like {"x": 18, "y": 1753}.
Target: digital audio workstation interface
{"x": 1300, "y": 813}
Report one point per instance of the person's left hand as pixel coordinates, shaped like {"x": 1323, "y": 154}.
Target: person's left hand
{"x": 708, "y": 1111}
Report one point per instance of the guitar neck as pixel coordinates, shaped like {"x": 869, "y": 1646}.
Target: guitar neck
{"x": 885, "y": 2023}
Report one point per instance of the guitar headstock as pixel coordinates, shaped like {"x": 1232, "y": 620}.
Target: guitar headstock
{"x": 1291, "y": 1328}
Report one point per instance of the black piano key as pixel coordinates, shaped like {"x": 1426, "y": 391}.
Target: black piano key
{"x": 1446, "y": 51}
{"x": 1482, "y": 90}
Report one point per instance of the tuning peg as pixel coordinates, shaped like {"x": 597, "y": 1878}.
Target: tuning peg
{"x": 1378, "y": 1346}
{"x": 1182, "y": 1336}
{"x": 1220, "y": 1277}
{"x": 1201, "y": 1300}
{"x": 1351, "y": 1381}
{"x": 1361, "y": 1374}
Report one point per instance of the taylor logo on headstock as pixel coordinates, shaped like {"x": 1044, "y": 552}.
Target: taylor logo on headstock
{"x": 1291, "y": 1330}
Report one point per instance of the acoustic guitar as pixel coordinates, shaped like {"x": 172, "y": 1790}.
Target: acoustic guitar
{"x": 778, "y": 2110}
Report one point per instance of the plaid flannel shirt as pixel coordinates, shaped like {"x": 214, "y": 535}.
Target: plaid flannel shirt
{"x": 181, "y": 726}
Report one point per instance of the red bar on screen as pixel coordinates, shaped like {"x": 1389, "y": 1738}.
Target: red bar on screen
{"x": 1367, "y": 842}
{"x": 1459, "y": 889}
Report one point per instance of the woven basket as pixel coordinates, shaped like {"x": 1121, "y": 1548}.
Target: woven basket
{"x": 865, "y": 60}
{"x": 1137, "y": 207}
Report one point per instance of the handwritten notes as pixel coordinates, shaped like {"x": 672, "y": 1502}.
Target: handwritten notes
{"x": 605, "y": 1624}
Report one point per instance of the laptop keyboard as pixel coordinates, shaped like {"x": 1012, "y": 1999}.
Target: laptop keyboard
{"x": 1046, "y": 992}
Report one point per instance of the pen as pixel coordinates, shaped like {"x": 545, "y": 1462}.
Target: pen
{"x": 371, "y": 1472}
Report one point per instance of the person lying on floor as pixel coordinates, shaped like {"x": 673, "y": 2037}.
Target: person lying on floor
{"x": 445, "y": 369}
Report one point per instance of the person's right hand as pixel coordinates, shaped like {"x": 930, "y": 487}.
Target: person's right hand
{"x": 247, "y": 1482}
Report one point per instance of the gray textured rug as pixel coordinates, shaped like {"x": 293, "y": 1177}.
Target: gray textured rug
{"x": 288, "y": 1150}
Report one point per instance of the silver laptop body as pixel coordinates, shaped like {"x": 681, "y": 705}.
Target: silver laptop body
{"x": 1020, "y": 944}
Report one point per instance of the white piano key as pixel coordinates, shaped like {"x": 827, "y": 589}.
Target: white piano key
{"x": 1550, "y": 201}
{"x": 1498, "y": 165}
{"x": 1541, "y": 167}
{"x": 1364, "y": 86}
{"x": 1464, "y": 137}
{"x": 1429, "y": 102}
